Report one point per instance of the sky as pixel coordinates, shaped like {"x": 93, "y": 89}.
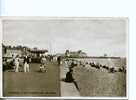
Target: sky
{"x": 93, "y": 36}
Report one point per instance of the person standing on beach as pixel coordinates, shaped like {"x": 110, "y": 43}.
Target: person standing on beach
{"x": 87, "y": 66}
{"x": 26, "y": 64}
{"x": 13, "y": 62}
{"x": 17, "y": 64}
{"x": 59, "y": 60}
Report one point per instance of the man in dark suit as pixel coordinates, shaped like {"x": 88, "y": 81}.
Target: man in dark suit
{"x": 26, "y": 63}
{"x": 59, "y": 60}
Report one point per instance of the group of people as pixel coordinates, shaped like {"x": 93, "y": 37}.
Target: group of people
{"x": 72, "y": 63}
{"x": 26, "y": 61}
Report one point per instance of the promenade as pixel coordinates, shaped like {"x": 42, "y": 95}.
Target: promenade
{"x": 91, "y": 82}
{"x": 33, "y": 83}
{"x": 67, "y": 89}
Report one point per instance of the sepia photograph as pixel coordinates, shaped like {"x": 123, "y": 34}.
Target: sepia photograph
{"x": 64, "y": 57}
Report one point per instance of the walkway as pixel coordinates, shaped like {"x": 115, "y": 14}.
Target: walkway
{"x": 33, "y": 83}
{"x": 67, "y": 89}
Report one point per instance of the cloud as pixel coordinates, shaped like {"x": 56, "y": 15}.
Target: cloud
{"x": 96, "y": 37}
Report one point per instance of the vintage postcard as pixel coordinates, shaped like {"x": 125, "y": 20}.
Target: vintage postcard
{"x": 64, "y": 57}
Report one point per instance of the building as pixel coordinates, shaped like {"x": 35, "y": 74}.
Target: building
{"x": 9, "y": 51}
{"x": 78, "y": 53}
{"x": 37, "y": 52}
